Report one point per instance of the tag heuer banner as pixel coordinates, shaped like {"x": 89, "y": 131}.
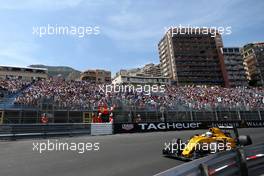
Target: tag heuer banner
{"x": 173, "y": 126}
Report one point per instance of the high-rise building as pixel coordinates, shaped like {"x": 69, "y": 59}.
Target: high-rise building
{"x": 193, "y": 58}
{"x": 253, "y": 55}
{"x": 234, "y": 67}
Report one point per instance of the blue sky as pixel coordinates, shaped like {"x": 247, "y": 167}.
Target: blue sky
{"x": 129, "y": 29}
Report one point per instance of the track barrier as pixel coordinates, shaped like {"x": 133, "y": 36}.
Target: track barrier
{"x": 243, "y": 161}
{"x": 101, "y": 129}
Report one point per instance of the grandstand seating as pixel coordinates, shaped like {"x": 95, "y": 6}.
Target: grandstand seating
{"x": 86, "y": 95}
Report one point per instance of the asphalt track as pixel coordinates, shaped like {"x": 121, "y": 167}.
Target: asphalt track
{"x": 122, "y": 154}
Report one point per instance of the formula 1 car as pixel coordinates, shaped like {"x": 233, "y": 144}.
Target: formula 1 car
{"x": 200, "y": 145}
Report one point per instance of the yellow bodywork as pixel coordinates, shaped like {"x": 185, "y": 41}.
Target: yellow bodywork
{"x": 217, "y": 136}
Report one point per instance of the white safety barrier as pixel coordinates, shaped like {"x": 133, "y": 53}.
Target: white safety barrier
{"x": 101, "y": 128}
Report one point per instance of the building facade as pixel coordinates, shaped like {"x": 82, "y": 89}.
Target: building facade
{"x": 127, "y": 79}
{"x": 150, "y": 70}
{"x": 96, "y": 76}
{"x": 23, "y": 73}
{"x": 253, "y": 55}
{"x": 234, "y": 67}
{"x": 130, "y": 72}
{"x": 193, "y": 58}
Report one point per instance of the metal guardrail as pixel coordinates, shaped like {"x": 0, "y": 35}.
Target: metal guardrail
{"x": 14, "y": 131}
{"x": 244, "y": 161}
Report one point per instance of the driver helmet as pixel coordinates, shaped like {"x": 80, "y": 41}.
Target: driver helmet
{"x": 208, "y": 134}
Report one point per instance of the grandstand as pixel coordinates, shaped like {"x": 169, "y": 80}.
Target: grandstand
{"x": 71, "y": 101}
{"x": 85, "y": 95}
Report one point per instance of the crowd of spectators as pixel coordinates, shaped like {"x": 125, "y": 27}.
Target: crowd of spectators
{"x": 10, "y": 86}
{"x": 86, "y": 95}
{"x": 204, "y": 97}
{"x": 63, "y": 94}
{"x": 201, "y": 98}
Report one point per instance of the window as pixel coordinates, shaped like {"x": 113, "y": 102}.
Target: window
{"x": 230, "y": 50}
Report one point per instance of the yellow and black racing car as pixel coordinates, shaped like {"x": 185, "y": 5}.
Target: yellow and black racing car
{"x": 200, "y": 145}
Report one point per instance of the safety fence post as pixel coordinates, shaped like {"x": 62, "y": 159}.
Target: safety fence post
{"x": 204, "y": 169}
{"x": 260, "y": 118}
{"x": 242, "y": 162}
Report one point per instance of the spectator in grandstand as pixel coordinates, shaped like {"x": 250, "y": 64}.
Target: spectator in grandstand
{"x": 97, "y": 119}
{"x": 138, "y": 119}
{"x": 44, "y": 118}
{"x": 12, "y": 86}
{"x": 111, "y": 119}
{"x": 94, "y": 118}
{"x": 162, "y": 119}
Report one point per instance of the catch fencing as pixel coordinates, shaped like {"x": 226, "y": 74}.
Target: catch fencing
{"x": 18, "y": 116}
